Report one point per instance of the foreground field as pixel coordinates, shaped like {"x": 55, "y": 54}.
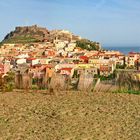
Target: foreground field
{"x": 69, "y": 116}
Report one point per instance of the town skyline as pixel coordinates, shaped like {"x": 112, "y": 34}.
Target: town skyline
{"x": 112, "y": 23}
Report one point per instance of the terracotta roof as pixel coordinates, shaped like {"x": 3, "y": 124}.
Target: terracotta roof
{"x": 104, "y": 68}
{"x": 83, "y": 57}
{"x": 132, "y": 53}
{"x": 67, "y": 69}
{"x": 31, "y": 58}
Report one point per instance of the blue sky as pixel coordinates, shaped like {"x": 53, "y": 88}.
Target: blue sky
{"x": 111, "y": 22}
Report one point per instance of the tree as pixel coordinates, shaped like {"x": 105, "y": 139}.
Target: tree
{"x": 87, "y": 44}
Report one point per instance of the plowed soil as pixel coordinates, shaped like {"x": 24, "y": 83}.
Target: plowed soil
{"x": 69, "y": 116}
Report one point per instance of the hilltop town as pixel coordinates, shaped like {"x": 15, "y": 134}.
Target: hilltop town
{"x": 37, "y": 50}
{"x": 70, "y": 70}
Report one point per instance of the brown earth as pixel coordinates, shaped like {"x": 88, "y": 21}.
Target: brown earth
{"x": 69, "y": 116}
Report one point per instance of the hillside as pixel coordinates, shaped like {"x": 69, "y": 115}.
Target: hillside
{"x": 69, "y": 116}
{"x": 34, "y": 33}
{"x": 31, "y": 34}
{"x": 26, "y": 34}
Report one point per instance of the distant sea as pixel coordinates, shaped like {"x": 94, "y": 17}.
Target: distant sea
{"x": 124, "y": 50}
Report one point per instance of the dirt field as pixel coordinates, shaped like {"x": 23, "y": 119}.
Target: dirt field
{"x": 71, "y": 116}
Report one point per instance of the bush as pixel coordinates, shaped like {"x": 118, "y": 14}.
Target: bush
{"x": 8, "y": 82}
{"x": 87, "y": 44}
{"x": 120, "y": 66}
{"x": 137, "y": 92}
{"x": 104, "y": 78}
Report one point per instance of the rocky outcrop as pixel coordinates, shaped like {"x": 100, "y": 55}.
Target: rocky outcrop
{"x": 27, "y": 33}
{"x": 38, "y": 34}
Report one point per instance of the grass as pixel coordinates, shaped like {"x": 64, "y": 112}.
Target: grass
{"x": 21, "y": 39}
{"x": 128, "y": 92}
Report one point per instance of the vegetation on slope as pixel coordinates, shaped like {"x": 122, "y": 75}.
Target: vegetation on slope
{"x": 21, "y": 39}
{"x": 26, "y": 34}
{"x": 87, "y": 44}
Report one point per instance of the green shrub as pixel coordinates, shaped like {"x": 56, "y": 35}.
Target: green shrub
{"x": 137, "y": 92}
{"x": 8, "y": 82}
{"x": 87, "y": 44}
